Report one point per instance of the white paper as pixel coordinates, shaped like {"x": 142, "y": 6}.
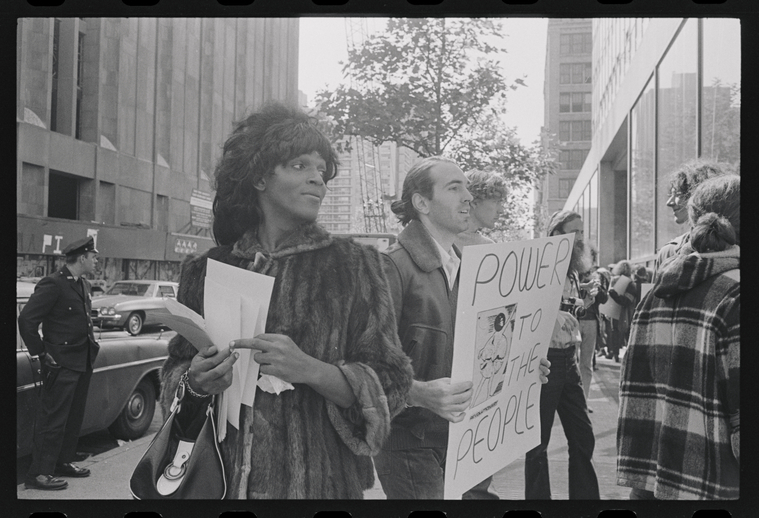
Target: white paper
{"x": 509, "y": 295}
{"x": 236, "y": 306}
{"x": 187, "y": 323}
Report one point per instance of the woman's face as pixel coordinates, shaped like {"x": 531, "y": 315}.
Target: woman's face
{"x": 294, "y": 193}
{"x": 678, "y": 202}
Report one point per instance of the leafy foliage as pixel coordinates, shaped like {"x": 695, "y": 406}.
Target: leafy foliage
{"x": 434, "y": 85}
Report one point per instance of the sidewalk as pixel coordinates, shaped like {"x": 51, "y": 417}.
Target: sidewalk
{"x": 111, "y": 470}
{"x": 109, "y": 479}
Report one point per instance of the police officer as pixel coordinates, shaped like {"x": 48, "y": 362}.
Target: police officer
{"x": 61, "y": 303}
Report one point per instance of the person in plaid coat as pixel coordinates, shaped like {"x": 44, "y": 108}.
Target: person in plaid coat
{"x": 679, "y": 416}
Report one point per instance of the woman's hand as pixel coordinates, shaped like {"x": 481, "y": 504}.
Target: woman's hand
{"x": 211, "y": 370}
{"x": 279, "y": 356}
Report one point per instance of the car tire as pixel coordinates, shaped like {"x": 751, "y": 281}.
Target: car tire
{"x": 137, "y": 414}
{"x": 134, "y": 324}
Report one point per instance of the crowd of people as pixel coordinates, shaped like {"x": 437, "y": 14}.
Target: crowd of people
{"x": 366, "y": 337}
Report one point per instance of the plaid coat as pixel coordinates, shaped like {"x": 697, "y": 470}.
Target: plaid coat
{"x": 678, "y": 432}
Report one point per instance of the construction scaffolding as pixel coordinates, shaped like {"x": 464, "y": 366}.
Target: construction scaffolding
{"x": 370, "y": 177}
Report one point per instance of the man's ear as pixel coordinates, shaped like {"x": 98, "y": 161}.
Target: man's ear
{"x": 260, "y": 184}
{"x": 420, "y": 203}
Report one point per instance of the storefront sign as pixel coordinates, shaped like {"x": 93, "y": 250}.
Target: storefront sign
{"x": 200, "y": 209}
{"x": 508, "y": 300}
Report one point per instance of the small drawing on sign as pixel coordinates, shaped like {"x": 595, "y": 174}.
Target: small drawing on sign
{"x": 495, "y": 328}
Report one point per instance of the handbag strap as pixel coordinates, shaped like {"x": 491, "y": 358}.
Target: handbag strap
{"x": 179, "y": 393}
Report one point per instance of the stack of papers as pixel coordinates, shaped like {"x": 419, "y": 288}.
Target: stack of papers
{"x": 236, "y": 303}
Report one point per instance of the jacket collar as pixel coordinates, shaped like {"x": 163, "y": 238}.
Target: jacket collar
{"x": 421, "y": 246}
{"x": 688, "y": 269}
{"x": 304, "y": 238}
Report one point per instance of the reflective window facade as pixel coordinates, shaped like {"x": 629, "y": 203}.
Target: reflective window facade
{"x": 642, "y": 183}
{"x": 677, "y": 119}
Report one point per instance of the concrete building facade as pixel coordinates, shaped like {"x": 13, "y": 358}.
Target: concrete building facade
{"x": 120, "y": 122}
{"x": 568, "y": 109}
{"x": 664, "y": 91}
{"x": 343, "y": 208}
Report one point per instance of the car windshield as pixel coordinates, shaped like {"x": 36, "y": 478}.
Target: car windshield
{"x": 129, "y": 288}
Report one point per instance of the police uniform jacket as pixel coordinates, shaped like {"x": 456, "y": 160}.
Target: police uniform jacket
{"x": 59, "y": 304}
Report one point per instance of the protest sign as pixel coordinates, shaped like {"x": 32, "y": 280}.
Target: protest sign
{"x": 509, "y": 295}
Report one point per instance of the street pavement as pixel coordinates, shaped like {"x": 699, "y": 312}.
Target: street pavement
{"x": 111, "y": 470}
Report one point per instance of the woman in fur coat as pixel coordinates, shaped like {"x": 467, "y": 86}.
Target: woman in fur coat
{"x": 679, "y": 400}
{"x": 330, "y": 329}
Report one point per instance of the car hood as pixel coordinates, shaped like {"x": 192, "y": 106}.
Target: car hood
{"x": 112, "y": 300}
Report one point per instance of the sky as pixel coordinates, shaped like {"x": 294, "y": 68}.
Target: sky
{"x": 323, "y": 45}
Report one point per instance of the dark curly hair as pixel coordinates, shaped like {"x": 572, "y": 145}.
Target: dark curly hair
{"x": 269, "y": 137}
{"x": 418, "y": 179}
{"x": 689, "y": 175}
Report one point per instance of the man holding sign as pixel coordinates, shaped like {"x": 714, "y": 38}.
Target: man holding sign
{"x": 422, "y": 270}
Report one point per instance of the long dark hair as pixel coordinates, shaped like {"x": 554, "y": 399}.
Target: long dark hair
{"x": 269, "y": 137}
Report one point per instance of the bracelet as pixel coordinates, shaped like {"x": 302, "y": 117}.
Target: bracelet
{"x": 185, "y": 379}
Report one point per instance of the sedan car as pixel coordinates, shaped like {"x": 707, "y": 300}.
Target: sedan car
{"x": 130, "y": 305}
{"x": 123, "y": 388}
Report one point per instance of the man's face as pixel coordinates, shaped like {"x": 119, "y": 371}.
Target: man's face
{"x": 580, "y": 261}
{"x": 448, "y": 210}
{"x": 89, "y": 262}
{"x": 486, "y": 212}
{"x": 678, "y": 202}
{"x": 575, "y": 226}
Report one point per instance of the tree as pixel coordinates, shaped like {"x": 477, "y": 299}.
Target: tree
{"x": 433, "y": 85}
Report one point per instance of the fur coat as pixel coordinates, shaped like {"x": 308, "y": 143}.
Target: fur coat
{"x": 331, "y": 298}
{"x": 679, "y": 394}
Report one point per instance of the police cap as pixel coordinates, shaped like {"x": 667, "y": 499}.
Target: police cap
{"x": 80, "y": 247}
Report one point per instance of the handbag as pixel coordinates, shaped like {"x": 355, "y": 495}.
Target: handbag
{"x": 175, "y": 468}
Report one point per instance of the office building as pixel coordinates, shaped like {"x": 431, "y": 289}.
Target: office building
{"x": 665, "y": 91}
{"x": 568, "y": 110}
{"x": 120, "y": 122}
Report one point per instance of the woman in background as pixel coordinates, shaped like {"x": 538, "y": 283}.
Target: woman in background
{"x": 679, "y": 415}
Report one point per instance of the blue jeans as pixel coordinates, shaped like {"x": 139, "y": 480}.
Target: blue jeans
{"x": 419, "y": 474}
{"x": 563, "y": 394}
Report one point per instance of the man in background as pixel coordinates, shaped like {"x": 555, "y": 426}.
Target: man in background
{"x": 67, "y": 349}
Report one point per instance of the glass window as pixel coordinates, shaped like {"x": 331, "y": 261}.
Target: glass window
{"x": 563, "y": 103}
{"x": 564, "y": 159}
{"x": 167, "y": 291}
{"x": 592, "y": 236}
{"x": 577, "y": 101}
{"x": 577, "y": 70}
{"x": 564, "y": 135}
{"x": 565, "y": 74}
{"x": 587, "y": 100}
{"x": 721, "y": 91}
{"x": 642, "y": 175}
{"x": 577, "y": 130}
{"x": 565, "y": 187}
{"x": 677, "y": 130}
{"x": 565, "y": 44}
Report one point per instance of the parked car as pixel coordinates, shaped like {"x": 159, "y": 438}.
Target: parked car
{"x": 130, "y": 305}
{"x": 123, "y": 388}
